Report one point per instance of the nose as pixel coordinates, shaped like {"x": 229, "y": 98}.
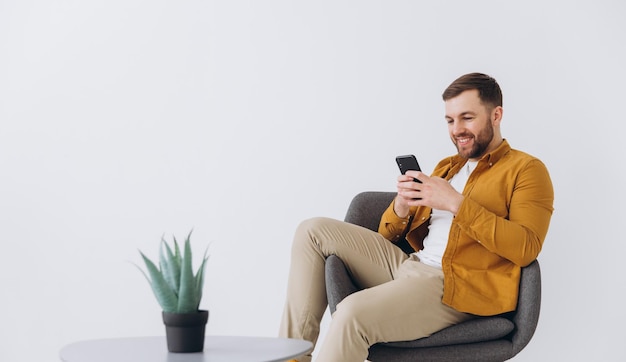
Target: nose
{"x": 455, "y": 128}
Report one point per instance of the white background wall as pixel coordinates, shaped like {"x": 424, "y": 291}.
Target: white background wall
{"x": 122, "y": 121}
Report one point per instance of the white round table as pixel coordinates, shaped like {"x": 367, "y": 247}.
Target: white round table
{"x": 216, "y": 349}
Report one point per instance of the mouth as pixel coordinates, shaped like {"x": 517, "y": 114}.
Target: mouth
{"x": 463, "y": 141}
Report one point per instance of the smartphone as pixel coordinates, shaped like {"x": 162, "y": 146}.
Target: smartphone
{"x": 408, "y": 162}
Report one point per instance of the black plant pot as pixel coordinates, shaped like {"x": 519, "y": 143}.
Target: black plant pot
{"x": 185, "y": 331}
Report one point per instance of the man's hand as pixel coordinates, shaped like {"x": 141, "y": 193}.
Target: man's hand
{"x": 434, "y": 192}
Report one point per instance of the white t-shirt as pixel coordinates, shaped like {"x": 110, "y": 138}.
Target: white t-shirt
{"x": 440, "y": 221}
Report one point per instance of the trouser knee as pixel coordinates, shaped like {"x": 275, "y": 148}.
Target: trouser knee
{"x": 312, "y": 230}
{"x": 306, "y": 237}
{"x": 309, "y": 226}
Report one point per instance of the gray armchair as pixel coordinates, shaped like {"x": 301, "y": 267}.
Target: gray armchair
{"x": 496, "y": 338}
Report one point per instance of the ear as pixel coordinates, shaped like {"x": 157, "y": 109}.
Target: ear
{"x": 496, "y": 115}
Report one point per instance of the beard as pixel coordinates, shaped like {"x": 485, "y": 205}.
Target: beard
{"x": 480, "y": 144}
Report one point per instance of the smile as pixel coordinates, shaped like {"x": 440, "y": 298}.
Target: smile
{"x": 463, "y": 141}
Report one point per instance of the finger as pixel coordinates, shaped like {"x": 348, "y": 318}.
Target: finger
{"x": 415, "y": 202}
{"x": 409, "y": 185}
{"x": 404, "y": 178}
{"x": 416, "y": 175}
{"x": 410, "y": 194}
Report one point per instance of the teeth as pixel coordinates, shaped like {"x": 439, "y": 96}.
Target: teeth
{"x": 463, "y": 140}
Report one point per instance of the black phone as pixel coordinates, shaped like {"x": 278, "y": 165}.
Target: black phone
{"x": 408, "y": 162}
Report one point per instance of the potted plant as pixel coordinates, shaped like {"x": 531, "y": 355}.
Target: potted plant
{"x": 179, "y": 292}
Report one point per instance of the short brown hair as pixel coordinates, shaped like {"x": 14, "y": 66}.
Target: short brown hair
{"x": 488, "y": 89}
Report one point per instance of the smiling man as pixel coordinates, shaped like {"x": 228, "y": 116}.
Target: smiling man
{"x": 473, "y": 224}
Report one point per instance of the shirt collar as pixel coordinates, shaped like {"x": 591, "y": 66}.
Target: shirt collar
{"x": 490, "y": 158}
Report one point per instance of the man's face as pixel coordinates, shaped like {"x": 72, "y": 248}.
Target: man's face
{"x": 471, "y": 124}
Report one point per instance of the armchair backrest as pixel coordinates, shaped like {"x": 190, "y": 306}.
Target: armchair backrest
{"x": 367, "y": 208}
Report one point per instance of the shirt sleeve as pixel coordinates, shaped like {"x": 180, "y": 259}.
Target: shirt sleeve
{"x": 519, "y": 235}
{"x": 392, "y": 227}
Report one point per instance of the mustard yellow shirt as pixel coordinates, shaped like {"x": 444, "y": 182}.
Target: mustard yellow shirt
{"x": 499, "y": 228}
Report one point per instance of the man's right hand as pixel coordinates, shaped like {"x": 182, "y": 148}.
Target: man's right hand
{"x": 408, "y": 192}
{"x": 434, "y": 192}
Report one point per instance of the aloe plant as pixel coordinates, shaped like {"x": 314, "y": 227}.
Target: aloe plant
{"x": 174, "y": 284}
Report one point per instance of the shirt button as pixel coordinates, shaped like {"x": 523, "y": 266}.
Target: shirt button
{"x": 423, "y": 217}
{"x": 404, "y": 223}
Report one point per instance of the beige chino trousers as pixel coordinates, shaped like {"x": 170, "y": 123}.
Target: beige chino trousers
{"x": 401, "y": 299}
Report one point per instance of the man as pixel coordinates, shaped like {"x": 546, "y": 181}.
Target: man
{"x": 480, "y": 217}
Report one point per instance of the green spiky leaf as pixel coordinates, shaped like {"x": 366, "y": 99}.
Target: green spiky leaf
{"x": 199, "y": 278}
{"x": 170, "y": 267}
{"x": 175, "y": 286}
{"x": 164, "y": 295}
{"x": 177, "y": 254}
{"x": 187, "y": 298}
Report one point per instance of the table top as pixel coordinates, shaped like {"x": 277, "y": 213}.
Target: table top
{"x": 216, "y": 349}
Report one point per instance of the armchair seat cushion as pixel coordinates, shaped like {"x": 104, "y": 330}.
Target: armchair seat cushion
{"x": 480, "y": 329}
